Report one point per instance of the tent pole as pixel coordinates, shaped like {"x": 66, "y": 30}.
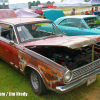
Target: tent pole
{"x": 80, "y": 8}
{"x": 67, "y": 10}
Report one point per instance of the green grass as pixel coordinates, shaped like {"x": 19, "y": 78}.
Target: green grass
{"x": 12, "y": 80}
{"x": 69, "y": 8}
{"x": 75, "y": 14}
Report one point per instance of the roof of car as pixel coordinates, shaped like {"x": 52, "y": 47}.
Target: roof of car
{"x": 22, "y": 20}
{"x": 80, "y": 16}
{"x": 73, "y": 16}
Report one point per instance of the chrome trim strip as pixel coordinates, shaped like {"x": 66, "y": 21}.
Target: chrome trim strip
{"x": 86, "y": 68}
{"x": 68, "y": 87}
{"x": 16, "y": 66}
{"x": 21, "y": 70}
{"x": 78, "y": 69}
{"x": 11, "y": 63}
{"x": 15, "y": 34}
{"x": 86, "y": 65}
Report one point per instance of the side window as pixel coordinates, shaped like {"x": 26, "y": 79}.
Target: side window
{"x": 63, "y": 23}
{"x": 83, "y": 26}
{"x": 74, "y": 22}
{"x": 7, "y": 32}
{"x": 71, "y": 22}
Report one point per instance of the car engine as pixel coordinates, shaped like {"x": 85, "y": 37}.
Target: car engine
{"x": 70, "y": 58}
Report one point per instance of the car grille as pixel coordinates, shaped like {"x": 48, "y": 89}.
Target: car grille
{"x": 85, "y": 69}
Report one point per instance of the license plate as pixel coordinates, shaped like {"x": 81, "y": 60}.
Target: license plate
{"x": 91, "y": 80}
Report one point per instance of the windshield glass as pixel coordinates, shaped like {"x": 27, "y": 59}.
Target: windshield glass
{"x": 35, "y": 31}
{"x": 93, "y": 22}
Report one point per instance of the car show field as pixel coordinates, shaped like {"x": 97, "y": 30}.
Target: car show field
{"x": 51, "y": 62}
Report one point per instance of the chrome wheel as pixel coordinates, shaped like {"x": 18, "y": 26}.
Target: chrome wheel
{"x": 34, "y": 80}
{"x": 37, "y": 83}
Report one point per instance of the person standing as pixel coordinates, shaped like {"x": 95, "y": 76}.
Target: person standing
{"x": 91, "y": 12}
{"x": 73, "y": 11}
{"x": 96, "y": 11}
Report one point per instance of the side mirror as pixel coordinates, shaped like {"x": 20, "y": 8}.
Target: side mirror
{"x": 11, "y": 43}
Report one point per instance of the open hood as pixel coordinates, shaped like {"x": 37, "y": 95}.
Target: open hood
{"x": 66, "y": 41}
{"x": 53, "y": 14}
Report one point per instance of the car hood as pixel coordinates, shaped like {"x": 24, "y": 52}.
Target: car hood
{"x": 53, "y": 14}
{"x": 67, "y": 41}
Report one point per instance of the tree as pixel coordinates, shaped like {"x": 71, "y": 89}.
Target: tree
{"x": 33, "y": 3}
{"x": 38, "y": 2}
{"x": 62, "y": 0}
{"x": 30, "y": 3}
{"x": 86, "y": 0}
{"x": 53, "y": 2}
{"x": 48, "y": 2}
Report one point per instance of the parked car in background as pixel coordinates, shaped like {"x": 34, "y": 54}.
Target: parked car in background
{"x": 27, "y": 10}
{"x": 39, "y": 10}
{"x": 76, "y": 24}
{"x": 25, "y": 13}
{"x": 51, "y": 60}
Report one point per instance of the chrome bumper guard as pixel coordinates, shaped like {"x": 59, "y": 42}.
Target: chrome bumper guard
{"x": 68, "y": 87}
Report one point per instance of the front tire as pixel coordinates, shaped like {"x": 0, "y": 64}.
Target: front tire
{"x": 37, "y": 84}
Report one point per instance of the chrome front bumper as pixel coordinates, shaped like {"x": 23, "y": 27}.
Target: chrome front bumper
{"x": 68, "y": 87}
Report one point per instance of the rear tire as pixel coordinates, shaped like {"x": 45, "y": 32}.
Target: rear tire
{"x": 37, "y": 84}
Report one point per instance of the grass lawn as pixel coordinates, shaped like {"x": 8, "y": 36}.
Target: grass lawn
{"x": 70, "y": 8}
{"x": 76, "y": 8}
{"x": 75, "y": 14}
{"x": 12, "y": 80}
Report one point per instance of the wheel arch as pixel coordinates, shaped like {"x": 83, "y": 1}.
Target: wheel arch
{"x": 27, "y": 70}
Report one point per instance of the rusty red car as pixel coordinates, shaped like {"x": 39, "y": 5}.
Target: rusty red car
{"x": 51, "y": 60}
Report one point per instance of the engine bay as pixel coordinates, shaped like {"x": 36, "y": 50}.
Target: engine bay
{"x": 67, "y": 57}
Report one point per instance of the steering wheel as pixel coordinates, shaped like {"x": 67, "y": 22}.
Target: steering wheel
{"x": 48, "y": 33}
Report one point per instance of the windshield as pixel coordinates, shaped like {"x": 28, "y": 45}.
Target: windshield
{"x": 93, "y": 22}
{"x": 35, "y": 31}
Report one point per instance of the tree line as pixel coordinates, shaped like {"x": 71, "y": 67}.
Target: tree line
{"x": 35, "y": 3}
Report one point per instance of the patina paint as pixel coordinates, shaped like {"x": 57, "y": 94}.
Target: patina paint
{"x": 51, "y": 75}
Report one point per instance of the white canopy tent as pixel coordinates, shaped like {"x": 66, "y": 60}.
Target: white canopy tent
{"x": 94, "y": 2}
{"x": 73, "y": 3}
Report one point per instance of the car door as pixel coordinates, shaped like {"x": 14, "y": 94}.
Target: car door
{"x": 72, "y": 27}
{"x": 8, "y": 44}
{"x": 85, "y": 29}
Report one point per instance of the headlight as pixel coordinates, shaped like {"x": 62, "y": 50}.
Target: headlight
{"x": 67, "y": 76}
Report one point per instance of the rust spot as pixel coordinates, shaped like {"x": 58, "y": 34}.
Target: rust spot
{"x": 50, "y": 73}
